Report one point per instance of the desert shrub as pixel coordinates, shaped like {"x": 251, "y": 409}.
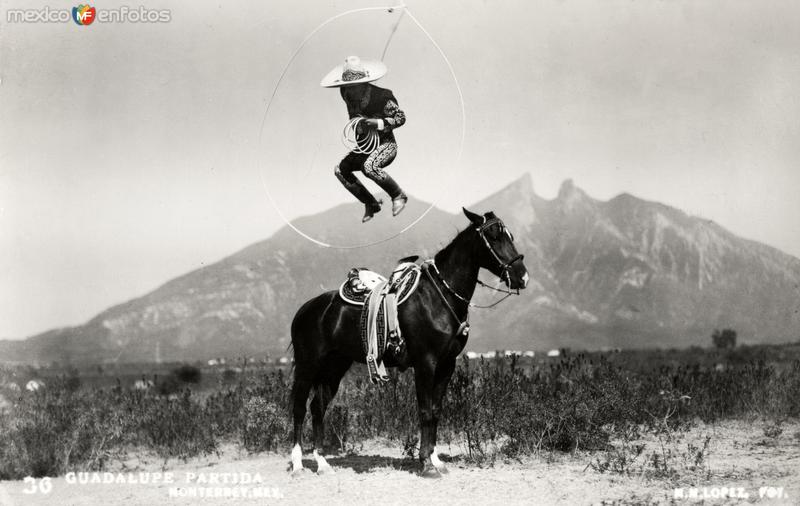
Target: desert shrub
{"x": 169, "y": 385}
{"x": 338, "y": 426}
{"x": 221, "y": 412}
{"x": 725, "y": 338}
{"x": 187, "y": 374}
{"x": 51, "y": 429}
{"x": 669, "y": 460}
{"x": 264, "y": 425}
{"x": 174, "y": 427}
{"x": 500, "y": 406}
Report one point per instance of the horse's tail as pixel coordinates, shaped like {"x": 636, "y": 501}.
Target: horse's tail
{"x": 306, "y": 332}
{"x": 289, "y": 348}
{"x": 295, "y": 340}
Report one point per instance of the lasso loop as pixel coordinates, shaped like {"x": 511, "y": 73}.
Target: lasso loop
{"x": 405, "y": 10}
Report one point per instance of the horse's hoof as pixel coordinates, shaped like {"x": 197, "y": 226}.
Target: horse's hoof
{"x": 296, "y": 473}
{"x": 325, "y": 470}
{"x": 430, "y": 472}
{"x": 443, "y": 469}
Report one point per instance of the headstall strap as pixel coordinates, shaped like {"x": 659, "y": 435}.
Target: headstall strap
{"x": 504, "y": 266}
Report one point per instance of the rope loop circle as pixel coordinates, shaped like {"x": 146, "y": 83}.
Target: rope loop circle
{"x": 370, "y": 142}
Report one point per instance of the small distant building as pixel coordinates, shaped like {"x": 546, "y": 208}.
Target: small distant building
{"x": 143, "y": 384}
{"x": 472, "y": 355}
{"x": 34, "y": 385}
{"x": 283, "y": 360}
{"x": 489, "y": 354}
{"x": 529, "y": 354}
{"x": 213, "y": 362}
{"x": 553, "y": 353}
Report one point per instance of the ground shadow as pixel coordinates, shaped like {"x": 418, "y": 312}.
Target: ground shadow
{"x": 367, "y": 463}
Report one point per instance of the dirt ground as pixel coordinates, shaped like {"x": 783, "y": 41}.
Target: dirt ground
{"x": 745, "y": 457}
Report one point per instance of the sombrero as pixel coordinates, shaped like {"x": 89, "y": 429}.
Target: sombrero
{"x": 354, "y": 70}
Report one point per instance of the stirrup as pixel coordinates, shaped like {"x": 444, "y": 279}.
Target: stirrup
{"x": 370, "y": 210}
{"x": 398, "y": 204}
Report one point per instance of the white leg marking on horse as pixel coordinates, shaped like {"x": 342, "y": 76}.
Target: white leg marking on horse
{"x": 297, "y": 458}
{"x": 435, "y": 459}
{"x": 322, "y": 465}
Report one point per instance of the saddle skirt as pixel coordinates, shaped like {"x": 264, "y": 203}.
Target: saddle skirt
{"x": 379, "y": 298}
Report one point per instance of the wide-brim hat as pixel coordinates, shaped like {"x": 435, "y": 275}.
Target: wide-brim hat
{"x": 354, "y": 70}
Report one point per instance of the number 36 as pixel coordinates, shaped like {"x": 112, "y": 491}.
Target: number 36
{"x": 43, "y": 486}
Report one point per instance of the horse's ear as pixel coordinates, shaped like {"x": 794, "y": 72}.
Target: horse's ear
{"x": 477, "y": 219}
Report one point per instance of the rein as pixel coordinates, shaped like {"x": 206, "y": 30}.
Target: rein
{"x": 463, "y": 327}
{"x": 460, "y": 297}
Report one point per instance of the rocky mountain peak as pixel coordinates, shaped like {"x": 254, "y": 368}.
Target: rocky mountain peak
{"x": 571, "y": 198}
{"x": 516, "y": 203}
{"x": 620, "y": 273}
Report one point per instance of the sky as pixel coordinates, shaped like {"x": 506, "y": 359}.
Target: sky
{"x": 131, "y": 153}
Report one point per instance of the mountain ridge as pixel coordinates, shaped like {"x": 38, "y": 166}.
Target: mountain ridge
{"x": 621, "y": 272}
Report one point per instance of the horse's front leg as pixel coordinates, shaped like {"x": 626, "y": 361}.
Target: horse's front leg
{"x": 424, "y": 380}
{"x": 444, "y": 371}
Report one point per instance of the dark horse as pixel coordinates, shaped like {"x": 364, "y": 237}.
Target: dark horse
{"x": 326, "y": 339}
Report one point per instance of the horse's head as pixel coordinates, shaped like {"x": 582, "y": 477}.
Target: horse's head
{"x": 498, "y": 254}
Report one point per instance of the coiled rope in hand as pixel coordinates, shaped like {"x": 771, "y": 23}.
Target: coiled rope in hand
{"x": 364, "y": 145}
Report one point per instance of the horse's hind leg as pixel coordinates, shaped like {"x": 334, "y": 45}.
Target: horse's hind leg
{"x": 300, "y": 390}
{"x": 324, "y": 392}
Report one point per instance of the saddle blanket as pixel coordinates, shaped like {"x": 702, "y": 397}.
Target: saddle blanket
{"x": 380, "y": 297}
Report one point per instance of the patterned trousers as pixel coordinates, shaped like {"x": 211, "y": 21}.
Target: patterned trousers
{"x": 372, "y": 166}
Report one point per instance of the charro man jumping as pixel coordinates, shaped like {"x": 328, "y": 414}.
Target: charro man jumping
{"x": 374, "y": 114}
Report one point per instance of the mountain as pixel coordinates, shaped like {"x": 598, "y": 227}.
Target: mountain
{"x": 633, "y": 273}
{"x": 619, "y": 273}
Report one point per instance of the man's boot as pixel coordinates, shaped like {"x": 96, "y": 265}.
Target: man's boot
{"x": 359, "y": 191}
{"x": 391, "y": 187}
{"x": 399, "y": 203}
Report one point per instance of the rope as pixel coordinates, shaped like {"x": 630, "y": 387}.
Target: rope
{"x": 462, "y": 325}
{"x": 460, "y": 297}
{"x": 405, "y": 10}
{"x": 350, "y": 139}
{"x": 394, "y": 29}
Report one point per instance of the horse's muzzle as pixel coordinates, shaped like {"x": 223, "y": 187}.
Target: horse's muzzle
{"x": 516, "y": 276}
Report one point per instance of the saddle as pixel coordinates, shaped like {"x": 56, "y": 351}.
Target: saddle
{"x": 379, "y": 298}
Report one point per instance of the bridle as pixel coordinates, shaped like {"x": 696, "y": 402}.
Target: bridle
{"x": 505, "y": 268}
